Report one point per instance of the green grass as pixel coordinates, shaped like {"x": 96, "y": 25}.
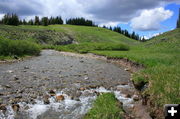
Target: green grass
{"x": 17, "y": 48}
{"x": 53, "y": 34}
{"x": 161, "y": 56}
{"x": 94, "y": 34}
{"x": 106, "y": 106}
{"x": 87, "y": 47}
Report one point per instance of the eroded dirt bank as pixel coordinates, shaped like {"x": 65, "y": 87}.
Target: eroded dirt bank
{"x": 60, "y": 85}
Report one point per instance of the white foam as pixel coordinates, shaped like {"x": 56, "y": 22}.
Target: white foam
{"x": 9, "y": 114}
{"x": 102, "y": 90}
{"x": 69, "y": 108}
{"x": 122, "y": 98}
{"x": 37, "y": 109}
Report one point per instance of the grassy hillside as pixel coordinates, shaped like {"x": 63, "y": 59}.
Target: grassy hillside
{"x": 161, "y": 56}
{"x": 82, "y": 39}
{"x": 53, "y": 34}
{"x": 93, "y": 34}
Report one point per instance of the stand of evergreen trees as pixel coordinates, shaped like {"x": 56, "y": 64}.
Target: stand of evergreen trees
{"x": 10, "y": 19}
{"x": 80, "y": 21}
{"x": 132, "y": 35}
{"x": 178, "y": 21}
{"x": 13, "y": 19}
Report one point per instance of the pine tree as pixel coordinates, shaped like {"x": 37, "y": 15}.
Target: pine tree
{"x": 110, "y": 28}
{"x": 143, "y": 39}
{"x": 45, "y": 21}
{"x": 178, "y": 21}
{"x": 24, "y": 22}
{"x": 133, "y": 36}
{"x": 37, "y": 22}
{"x": 31, "y": 22}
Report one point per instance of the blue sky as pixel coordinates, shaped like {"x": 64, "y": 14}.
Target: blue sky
{"x": 166, "y": 25}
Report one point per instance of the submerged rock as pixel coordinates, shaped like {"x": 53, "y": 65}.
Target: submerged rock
{"x": 3, "y": 107}
{"x": 59, "y": 98}
{"x": 46, "y": 99}
{"x": 26, "y": 67}
{"x": 16, "y": 107}
{"x": 52, "y": 92}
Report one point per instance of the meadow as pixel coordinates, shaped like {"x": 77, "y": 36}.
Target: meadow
{"x": 160, "y": 56}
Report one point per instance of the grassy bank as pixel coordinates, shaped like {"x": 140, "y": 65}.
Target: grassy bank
{"x": 106, "y": 106}
{"x": 161, "y": 56}
{"x": 16, "y": 48}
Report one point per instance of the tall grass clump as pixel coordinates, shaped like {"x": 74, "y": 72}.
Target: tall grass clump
{"x": 106, "y": 106}
{"x": 17, "y": 47}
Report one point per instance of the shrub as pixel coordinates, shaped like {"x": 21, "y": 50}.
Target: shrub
{"x": 86, "y": 47}
{"x": 18, "y": 47}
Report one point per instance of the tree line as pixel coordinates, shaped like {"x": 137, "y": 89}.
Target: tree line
{"x": 125, "y": 32}
{"x": 80, "y": 21}
{"x": 13, "y": 19}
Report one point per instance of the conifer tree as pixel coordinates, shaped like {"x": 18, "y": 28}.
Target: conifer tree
{"x": 133, "y": 36}
{"x": 178, "y": 21}
{"x": 143, "y": 39}
{"x": 24, "y": 22}
{"x": 45, "y": 21}
{"x": 110, "y": 28}
{"x": 36, "y": 21}
{"x": 31, "y": 22}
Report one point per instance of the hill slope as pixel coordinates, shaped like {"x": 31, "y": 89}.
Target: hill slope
{"x": 63, "y": 34}
{"x": 161, "y": 56}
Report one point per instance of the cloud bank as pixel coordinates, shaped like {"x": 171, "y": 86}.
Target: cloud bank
{"x": 109, "y": 12}
{"x": 150, "y": 19}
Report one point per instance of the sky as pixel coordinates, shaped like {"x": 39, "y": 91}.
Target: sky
{"x": 146, "y": 17}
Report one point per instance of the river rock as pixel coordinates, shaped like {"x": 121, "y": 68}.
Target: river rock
{"x": 15, "y": 107}
{"x": 3, "y": 107}
{"x": 7, "y": 86}
{"x": 82, "y": 89}
{"x": 135, "y": 98}
{"x": 46, "y": 99}
{"x": 59, "y": 98}
{"x": 128, "y": 96}
{"x": 86, "y": 78}
{"x": 15, "y": 77}
{"x": 81, "y": 61}
{"x": 26, "y": 67}
{"x": 127, "y": 69}
{"x": 52, "y": 92}
{"x": 9, "y": 71}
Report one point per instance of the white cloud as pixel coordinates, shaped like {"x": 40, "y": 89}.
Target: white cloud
{"x": 1, "y": 16}
{"x": 108, "y": 24}
{"x": 156, "y": 34}
{"x": 150, "y": 19}
{"x": 109, "y": 12}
